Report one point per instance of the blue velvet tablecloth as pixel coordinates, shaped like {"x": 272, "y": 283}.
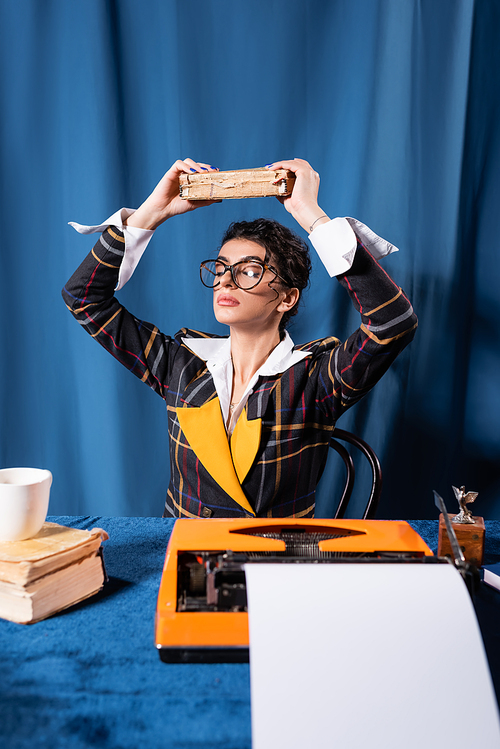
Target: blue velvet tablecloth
{"x": 91, "y": 676}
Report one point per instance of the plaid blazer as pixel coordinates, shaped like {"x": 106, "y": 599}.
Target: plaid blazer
{"x": 275, "y": 456}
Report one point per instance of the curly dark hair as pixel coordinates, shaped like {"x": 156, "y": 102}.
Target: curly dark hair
{"x": 285, "y": 250}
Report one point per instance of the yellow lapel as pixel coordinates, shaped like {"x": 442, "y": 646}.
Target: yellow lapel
{"x": 245, "y": 441}
{"x": 205, "y": 432}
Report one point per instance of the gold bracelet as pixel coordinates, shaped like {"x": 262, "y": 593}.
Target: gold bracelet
{"x": 314, "y": 222}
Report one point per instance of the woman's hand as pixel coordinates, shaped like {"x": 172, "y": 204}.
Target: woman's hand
{"x": 165, "y": 202}
{"x": 303, "y": 202}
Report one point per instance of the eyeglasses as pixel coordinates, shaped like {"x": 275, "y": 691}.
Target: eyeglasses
{"x": 246, "y": 274}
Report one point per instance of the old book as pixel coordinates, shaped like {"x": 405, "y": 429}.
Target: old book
{"x": 242, "y": 183}
{"x": 57, "y": 568}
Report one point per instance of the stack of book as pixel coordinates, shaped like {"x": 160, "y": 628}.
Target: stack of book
{"x": 57, "y": 568}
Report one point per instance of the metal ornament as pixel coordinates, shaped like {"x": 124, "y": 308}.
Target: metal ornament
{"x": 463, "y": 499}
{"x": 452, "y": 536}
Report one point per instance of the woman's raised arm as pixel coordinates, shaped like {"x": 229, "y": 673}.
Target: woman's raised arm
{"x": 303, "y": 202}
{"x": 165, "y": 202}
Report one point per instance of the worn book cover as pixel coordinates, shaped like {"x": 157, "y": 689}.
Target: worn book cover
{"x": 53, "y": 547}
{"x": 242, "y": 183}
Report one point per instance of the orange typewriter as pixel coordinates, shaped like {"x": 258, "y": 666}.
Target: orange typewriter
{"x": 201, "y": 613}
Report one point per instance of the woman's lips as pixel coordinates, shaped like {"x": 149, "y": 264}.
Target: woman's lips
{"x": 224, "y": 300}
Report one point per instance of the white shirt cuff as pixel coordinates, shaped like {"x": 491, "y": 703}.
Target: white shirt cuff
{"x": 136, "y": 241}
{"x": 336, "y": 241}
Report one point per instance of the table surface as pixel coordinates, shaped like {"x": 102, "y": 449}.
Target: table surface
{"x": 91, "y": 675}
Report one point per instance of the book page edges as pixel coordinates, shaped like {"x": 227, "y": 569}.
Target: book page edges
{"x": 52, "y": 593}
{"x": 41, "y": 557}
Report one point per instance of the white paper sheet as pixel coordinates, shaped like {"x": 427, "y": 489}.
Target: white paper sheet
{"x": 366, "y": 655}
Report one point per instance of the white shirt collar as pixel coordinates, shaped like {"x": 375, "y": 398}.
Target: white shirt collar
{"x": 217, "y": 351}
{"x": 217, "y": 354}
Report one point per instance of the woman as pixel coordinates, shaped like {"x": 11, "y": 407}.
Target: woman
{"x": 249, "y": 416}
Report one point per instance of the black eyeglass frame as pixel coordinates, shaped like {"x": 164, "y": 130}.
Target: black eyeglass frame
{"x": 230, "y": 268}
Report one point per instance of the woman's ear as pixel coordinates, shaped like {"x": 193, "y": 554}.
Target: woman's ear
{"x": 289, "y": 300}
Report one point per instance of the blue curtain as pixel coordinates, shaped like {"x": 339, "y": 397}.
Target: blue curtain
{"x": 394, "y": 102}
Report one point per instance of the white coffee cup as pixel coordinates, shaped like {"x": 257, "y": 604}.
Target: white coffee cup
{"x": 24, "y": 502}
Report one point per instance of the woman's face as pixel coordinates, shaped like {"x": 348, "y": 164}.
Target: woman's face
{"x": 252, "y": 309}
